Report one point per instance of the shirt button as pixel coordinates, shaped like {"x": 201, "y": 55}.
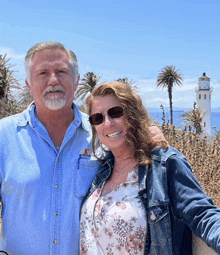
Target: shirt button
{"x": 145, "y": 195}
{"x": 56, "y": 213}
{"x": 58, "y": 160}
{"x": 57, "y": 186}
{"x": 54, "y": 241}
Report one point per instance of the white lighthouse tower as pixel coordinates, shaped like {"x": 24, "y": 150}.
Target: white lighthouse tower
{"x": 203, "y": 98}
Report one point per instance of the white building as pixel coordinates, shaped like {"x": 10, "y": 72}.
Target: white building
{"x": 203, "y": 99}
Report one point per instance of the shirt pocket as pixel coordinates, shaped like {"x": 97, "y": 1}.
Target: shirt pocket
{"x": 160, "y": 224}
{"x": 86, "y": 172}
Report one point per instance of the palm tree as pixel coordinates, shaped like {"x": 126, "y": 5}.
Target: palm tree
{"x": 25, "y": 98}
{"x": 87, "y": 84}
{"x": 8, "y": 89}
{"x": 126, "y": 81}
{"x": 194, "y": 116}
{"x": 7, "y": 79}
{"x": 168, "y": 77}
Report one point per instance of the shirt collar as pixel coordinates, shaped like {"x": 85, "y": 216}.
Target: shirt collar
{"x": 25, "y": 116}
{"x": 28, "y": 116}
{"x": 83, "y": 117}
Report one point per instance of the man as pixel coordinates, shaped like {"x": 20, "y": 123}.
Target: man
{"x": 43, "y": 174}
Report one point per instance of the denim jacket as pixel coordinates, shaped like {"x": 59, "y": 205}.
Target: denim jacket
{"x": 174, "y": 201}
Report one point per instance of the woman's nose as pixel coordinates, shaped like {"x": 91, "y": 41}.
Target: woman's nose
{"x": 108, "y": 120}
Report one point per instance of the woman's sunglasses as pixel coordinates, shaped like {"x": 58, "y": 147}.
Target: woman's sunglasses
{"x": 114, "y": 113}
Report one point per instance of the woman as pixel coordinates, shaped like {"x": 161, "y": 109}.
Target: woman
{"x": 144, "y": 199}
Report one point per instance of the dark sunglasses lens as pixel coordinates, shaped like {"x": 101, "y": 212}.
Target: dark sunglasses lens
{"x": 96, "y": 119}
{"x": 116, "y": 112}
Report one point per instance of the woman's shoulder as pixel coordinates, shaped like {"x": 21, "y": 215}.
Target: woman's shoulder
{"x": 174, "y": 161}
{"x": 170, "y": 157}
{"x": 159, "y": 153}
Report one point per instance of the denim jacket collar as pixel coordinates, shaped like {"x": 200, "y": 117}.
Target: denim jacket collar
{"x": 106, "y": 169}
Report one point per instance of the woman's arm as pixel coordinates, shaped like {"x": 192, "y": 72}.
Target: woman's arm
{"x": 190, "y": 203}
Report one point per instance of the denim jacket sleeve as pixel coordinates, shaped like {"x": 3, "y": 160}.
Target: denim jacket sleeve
{"x": 189, "y": 202}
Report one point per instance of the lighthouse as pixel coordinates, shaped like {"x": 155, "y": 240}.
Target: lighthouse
{"x": 203, "y": 99}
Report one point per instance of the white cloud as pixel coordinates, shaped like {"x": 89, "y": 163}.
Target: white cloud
{"x": 145, "y": 86}
{"x": 149, "y": 85}
{"x": 160, "y": 100}
{"x": 10, "y": 53}
{"x": 154, "y": 102}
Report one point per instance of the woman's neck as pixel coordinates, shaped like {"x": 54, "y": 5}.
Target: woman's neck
{"x": 124, "y": 159}
{"x": 122, "y": 153}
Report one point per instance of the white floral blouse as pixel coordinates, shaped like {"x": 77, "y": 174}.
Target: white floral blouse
{"x": 114, "y": 223}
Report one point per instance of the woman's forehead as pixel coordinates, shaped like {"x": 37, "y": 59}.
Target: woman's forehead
{"x": 102, "y": 103}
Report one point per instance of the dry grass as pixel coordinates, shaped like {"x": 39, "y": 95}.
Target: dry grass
{"x": 203, "y": 154}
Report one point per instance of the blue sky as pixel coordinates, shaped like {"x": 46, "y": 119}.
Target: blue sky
{"x": 123, "y": 38}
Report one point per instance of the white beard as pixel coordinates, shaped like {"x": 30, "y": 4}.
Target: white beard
{"x": 56, "y": 103}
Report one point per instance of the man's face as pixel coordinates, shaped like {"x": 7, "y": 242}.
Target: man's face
{"x": 52, "y": 82}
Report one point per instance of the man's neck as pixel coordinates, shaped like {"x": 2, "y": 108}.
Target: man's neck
{"x": 56, "y": 123}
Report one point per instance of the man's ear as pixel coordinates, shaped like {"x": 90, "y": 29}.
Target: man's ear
{"x": 28, "y": 85}
{"x": 78, "y": 80}
{"x": 77, "y": 84}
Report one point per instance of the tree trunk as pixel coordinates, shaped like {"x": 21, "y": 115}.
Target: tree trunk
{"x": 171, "y": 104}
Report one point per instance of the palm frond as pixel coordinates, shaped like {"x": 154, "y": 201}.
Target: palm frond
{"x": 9, "y": 89}
{"x": 7, "y": 79}
{"x": 126, "y": 81}
{"x": 86, "y": 85}
{"x": 25, "y": 98}
{"x": 168, "y": 77}
{"x": 194, "y": 117}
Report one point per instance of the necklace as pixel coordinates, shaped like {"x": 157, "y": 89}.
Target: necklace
{"x": 119, "y": 170}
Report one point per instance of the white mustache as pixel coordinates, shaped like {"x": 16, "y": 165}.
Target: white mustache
{"x": 54, "y": 89}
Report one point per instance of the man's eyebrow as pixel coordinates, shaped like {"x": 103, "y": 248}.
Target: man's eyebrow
{"x": 40, "y": 69}
{"x": 63, "y": 67}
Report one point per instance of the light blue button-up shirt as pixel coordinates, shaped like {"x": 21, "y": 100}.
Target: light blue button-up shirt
{"x": 41, "y": 186}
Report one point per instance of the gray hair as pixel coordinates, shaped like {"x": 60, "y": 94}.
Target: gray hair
{"x": 50, "y": 46}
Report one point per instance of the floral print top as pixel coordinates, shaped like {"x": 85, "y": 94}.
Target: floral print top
{"x": 114, "y": 223}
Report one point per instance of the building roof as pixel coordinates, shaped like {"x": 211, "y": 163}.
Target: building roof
{"x": 204, "y": 77}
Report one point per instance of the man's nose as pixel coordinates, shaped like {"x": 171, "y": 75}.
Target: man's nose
{"x": 53, "y": 79}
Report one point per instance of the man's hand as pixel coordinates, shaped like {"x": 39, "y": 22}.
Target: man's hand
{"x": 157, "y": 136}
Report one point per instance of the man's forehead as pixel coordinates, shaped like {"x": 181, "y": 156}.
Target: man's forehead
{"x": 50, "y": 55}
{"x": 48, "y": 65}
{"x": 52, "y": 58}
{"x": 57, "y": 66}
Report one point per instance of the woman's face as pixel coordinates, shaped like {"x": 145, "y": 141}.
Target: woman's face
{"x": 111, "y": 131}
